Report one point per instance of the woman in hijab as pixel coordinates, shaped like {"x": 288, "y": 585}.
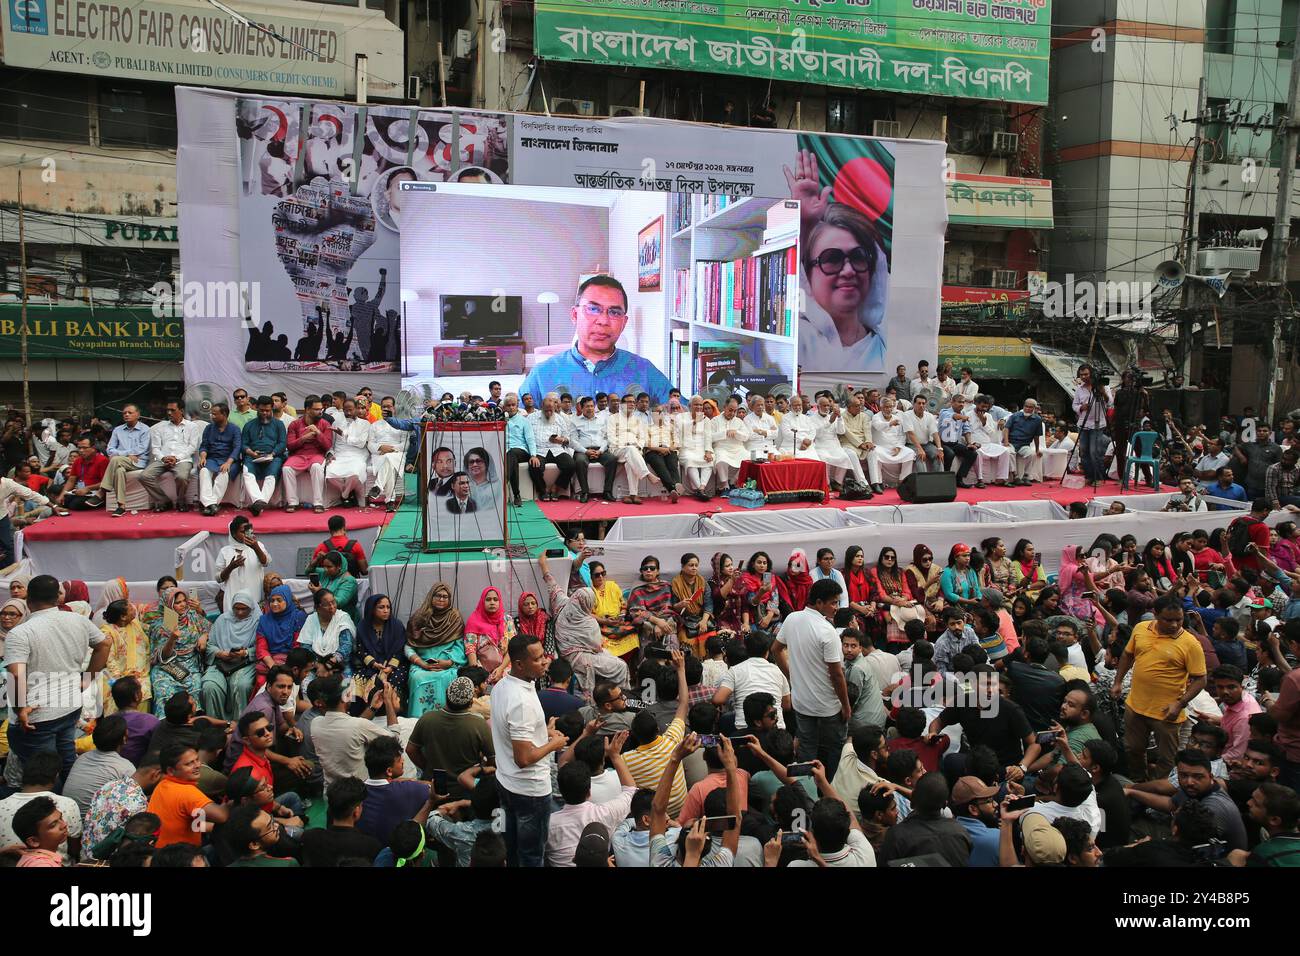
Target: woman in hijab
{"x": 129, "y": 652}
{"x": 114, "y": 590}
{"x": 277, "y": 631}
{"x": 228, "y": 681}
{"x": 75, "y": 597}
{"x": 18, "y": 586}
{"x": 336, "y": 579}
{"x": 12, "y": 613}
{"x": 532, "y": 618}
{"x": 794, "y": 585}
{"x": 487, "y": 632}
{"x": 329, "y": 633}
{"x": 923, "y": 577}
{"x": 650, "y": 607}
{"x": 693, "y": 605}
{"x": 242, "y": 562}
{"x": 177, "y": 654}
{"x": 379, "y": 648}
{"x": 578, "y": 637}
{"x": 270, "y": 581}
{"x": 435, "y": 647}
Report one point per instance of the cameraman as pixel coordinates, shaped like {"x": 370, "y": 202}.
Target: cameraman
{"x": 1092, "y": 400}
{"x": 1132, "y": 405}
{"x": 1188, "y": 498}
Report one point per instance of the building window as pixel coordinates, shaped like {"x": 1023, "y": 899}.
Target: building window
{"x": 128, "y": 272}
{"x": 44, "y": 105}
{"x": 1219, "y": 18}
{"x": 137, "y": 114}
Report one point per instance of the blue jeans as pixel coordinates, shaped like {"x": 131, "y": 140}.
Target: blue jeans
{"x": 527, "y": 822}
{"x": 1092, "y": 452}
{"x": 58, "y": 735}
{"x": 821, "y": 738}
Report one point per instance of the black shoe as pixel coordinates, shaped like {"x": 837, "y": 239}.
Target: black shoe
{"x": 979, "y": 484}
{"x": 256, "y": 507}
{"x": 878, "y": 489}
{"x": 583, "y": 497}
{"x": 119, "y": 511}
{"x": 517, "y": 502}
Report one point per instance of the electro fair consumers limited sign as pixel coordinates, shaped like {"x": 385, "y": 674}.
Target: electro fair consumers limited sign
{"x": 193, "y": 45}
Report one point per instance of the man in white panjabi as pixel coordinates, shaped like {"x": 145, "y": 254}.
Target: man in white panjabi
{"x": 1057, "y": 452}
{"x": 887, "y": 432}
{"x": 797, "y": 432}
{"x": 348, "y": 461}
{"x": 695, "y": 444}
{"x": 858, "y": 442}
{"x": 762, "y": 428}
{"x": 967, "y": 387}
{"x": 730, "y": 444}
{"x": 628, "y": 435}
{"x": 387, "y": 447}
{"x": 840, "y": 462}
{"x": 988, "y": 437}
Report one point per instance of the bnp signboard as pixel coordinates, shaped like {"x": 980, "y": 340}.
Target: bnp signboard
{"x": 199, "y": 45}
{"x": 978, "y": 49}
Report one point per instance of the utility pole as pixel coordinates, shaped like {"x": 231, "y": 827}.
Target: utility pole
{"x": 1282, "y": 226}
{"x": 1193, "y": 234}
{"x": 22, "y": 278}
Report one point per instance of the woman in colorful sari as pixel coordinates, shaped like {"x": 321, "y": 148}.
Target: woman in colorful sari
{"x": 75, "y": 597}
{"x": 329, "y": 634}
{"x": 487, "y": 632}
{"x": 277, "y": 631}
{"x": 335, "y": 579}
{"x": 728, "y": 592}
{"x": 228, "y": 681}
{"x": 1025, "y": 570}
{"x": 578, "y": 636}
{"x": 794, "y": 585}
{"x": 923, "y": 578}
{"x": 435, "y": 647}
{"x": 621, "y": 637}
{"x": 693, "y": 604}
{"x": 997, "y": 571}
{"x": 129, "y": 653}
{"x": 532, "y": 619}
{"x": 650, "y": 607}
{"x": 862, "y": 592}
{"x": 114, "y": 590}
{"x": 892, "y": 590}
{"x": 760, "y": 594}
{"x": 177, "y": 655}
{"x": 380, "y": 648}
{"x": 1073, "y": 580}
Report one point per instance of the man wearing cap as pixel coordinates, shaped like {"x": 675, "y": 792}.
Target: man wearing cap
{"x": 1043, "y": 843}
{"x": 975, "y": 806}
{"x": 1025, "y": 435}
{"x": 570, "y": 825}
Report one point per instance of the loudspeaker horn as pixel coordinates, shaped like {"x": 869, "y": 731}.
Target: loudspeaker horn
{"x": 1170, "y": 274}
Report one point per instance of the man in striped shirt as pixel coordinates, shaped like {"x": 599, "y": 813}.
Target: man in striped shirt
{"x": 653, "y": 751}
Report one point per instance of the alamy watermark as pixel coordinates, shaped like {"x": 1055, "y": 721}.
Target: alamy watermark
{"x": 192, "y": 299}
{"x": 978, "y": 691}
{"x": 1093, "y": 299}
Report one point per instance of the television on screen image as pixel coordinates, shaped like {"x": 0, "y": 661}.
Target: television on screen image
{"x": 479, "y": 317}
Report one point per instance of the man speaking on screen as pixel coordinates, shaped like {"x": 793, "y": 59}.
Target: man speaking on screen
{"x": 595, "y": 362}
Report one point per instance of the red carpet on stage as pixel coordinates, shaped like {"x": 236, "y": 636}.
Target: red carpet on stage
{"x": 569, "y": 510}
{"x": 100, "y": 525}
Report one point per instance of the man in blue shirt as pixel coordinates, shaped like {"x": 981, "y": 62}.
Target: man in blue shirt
{"x": 219, "y": 455}
{"x": 263, "y": 436}
{"x": 1025, "y": 433}
{"x": 1225, "y": 486}
{"x": 975, "y": 806}
{"x": 954, "y": 432}
{"x": 595, "y": 363}
{"x": 521, "y": 446}
{"x": 128, "y": 450}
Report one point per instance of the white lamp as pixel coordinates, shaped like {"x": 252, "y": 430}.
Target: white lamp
{"x": 548, "y": 299}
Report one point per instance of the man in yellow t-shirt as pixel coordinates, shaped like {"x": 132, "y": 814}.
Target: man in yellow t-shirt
{"x": 1168, "y": 671}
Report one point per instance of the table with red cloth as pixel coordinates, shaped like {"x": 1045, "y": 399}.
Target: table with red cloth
{"x": 796, "y": 479}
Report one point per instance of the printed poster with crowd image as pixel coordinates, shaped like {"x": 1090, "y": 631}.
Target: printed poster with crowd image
{"x": 320, "y": 197}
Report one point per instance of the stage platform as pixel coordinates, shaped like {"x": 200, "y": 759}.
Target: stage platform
{"x": 567, "y": 509}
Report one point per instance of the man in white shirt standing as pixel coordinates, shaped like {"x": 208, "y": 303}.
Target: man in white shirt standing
{"x": 809, "y": 651}
{"x": 967, "y": 387}
{"x": 524, "y": 742}
{"x": 730, "y": 444}
{"x": 173, "y": 443}
{"x": 1207, "y": 468}
{"x": 762, "y": 428}
{"x": 840, "y": 462}
{"x": 922, "y": 431}
{"x": 628, "y": 434}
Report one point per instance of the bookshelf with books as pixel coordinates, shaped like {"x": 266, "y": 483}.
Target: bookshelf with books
{"x": 733, "y": 279}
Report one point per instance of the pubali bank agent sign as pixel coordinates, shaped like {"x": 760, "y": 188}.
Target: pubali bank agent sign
{"x": 150, "y": 41}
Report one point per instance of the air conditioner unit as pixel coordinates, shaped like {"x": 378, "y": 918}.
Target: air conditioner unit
{"x": 617, "y": 111}
{"x": 574, "y": 107}
{"x": 890, "y": 129}
{"x": 463, "y": 44}
{"x": 1004, "y": 279}
{"x": 414, "y": 84}
{"x": 1000, "y": 143}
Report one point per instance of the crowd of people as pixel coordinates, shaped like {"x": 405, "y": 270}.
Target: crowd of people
{"x": 1141, "y": 707}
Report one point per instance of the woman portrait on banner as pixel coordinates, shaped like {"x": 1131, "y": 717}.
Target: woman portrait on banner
{"x": 484, "y": 482}
{"x": 176, "y": 650}
{"x": 845, "y": 272}
{"x": 435, "y": 647}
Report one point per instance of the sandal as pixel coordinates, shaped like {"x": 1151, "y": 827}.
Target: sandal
{"x": 318, "y": 509}
{"x": 290, "y": 509}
